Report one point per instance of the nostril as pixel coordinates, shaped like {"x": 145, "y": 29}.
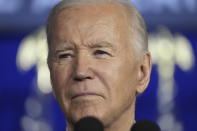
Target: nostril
{"x": 78, "y": 79}
{"x": 88, "y": 77}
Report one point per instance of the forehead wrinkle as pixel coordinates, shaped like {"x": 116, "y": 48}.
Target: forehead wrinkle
{"x": 99, "y": 31}
{"x": 86, "y": 28}
{"x": 91, "y": 32}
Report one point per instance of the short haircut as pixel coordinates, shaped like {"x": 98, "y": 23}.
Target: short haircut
{"x": 139, "y": 36}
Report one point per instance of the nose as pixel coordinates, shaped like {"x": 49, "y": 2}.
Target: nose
{"x": 82, "y": 69}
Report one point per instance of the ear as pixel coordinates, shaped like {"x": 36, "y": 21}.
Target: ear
{"x": 144, "y": 71}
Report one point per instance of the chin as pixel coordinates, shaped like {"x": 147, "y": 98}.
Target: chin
{"x": 81, "y": 108}
{"x": 78, "y": 114}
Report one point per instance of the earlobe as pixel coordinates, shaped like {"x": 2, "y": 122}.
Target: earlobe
{"x": 144, "y": 71}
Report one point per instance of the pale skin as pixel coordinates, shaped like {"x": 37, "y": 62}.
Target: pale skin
{"x": 94, "y": 70}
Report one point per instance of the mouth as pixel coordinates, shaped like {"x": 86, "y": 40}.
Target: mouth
{"x": 85, "y": 95}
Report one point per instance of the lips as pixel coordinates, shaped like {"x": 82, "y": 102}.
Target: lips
{"x": 86, "y": 94}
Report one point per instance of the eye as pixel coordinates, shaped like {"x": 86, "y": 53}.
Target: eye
{"x": 66, "y": 56}
{"x": 101, "y": 53}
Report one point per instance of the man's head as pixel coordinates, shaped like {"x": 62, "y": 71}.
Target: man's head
{"x": 98, "y": 60}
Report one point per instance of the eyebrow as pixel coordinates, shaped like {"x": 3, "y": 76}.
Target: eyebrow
{"x": 63, "y": 48}
{"x": 103, "y": 44}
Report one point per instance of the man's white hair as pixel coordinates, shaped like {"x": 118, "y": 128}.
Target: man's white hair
{"x": 138, "y": 38}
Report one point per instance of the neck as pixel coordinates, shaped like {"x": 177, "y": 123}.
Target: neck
{"x": 125, "y": 121}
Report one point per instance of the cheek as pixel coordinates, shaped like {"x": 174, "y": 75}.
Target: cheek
{"x": 59, "y": 78}
{"x": 121, "y": 78}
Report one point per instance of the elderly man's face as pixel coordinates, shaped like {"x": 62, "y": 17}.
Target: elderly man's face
{"x": 94, "y": 71}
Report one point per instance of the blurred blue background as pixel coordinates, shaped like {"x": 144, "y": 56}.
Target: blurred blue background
{"x": 26, "y": 101}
